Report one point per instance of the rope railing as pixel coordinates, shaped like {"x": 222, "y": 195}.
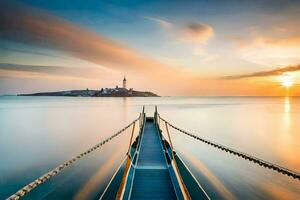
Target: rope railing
{"x": 185, "y": 191}
{"x": 261, "y": 162}
{"x": 29, "y": 187}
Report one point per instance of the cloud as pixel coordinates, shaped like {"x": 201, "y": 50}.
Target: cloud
{"x": 88, "y": 73}
{"x": 191, "y": 32}
{"x": 196, "y": 32}
{"x": 278, "y": 71}
{"x": 269, "y": 48}
{"x": 34, "y": 27}
{"x": 26, "y": 51}
{"x": 290, "y": 41}
{"x": 163, "y": 23}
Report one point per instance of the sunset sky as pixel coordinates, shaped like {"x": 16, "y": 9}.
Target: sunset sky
{"x": 231, "y": 47}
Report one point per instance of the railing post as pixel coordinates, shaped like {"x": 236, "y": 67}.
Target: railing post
{"x": 182, "y": 185}
{"x": 143, "y": 115}
{"x": 128, "y": 152}
{"x": 167, "y": 129}
{"x": 140, "y": 120}
{"x": 155, "y": 114}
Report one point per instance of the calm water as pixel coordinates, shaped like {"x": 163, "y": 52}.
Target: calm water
{"x": 38, "y": 133}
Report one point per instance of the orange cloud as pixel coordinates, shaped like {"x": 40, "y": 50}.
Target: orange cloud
{"x": 89, "y": 73}
{"x": 291, "y": 41}
{"x": 279, "y": 49}
{"x": 279, "y": 37}
{"x": 37, "y": 28}
{"x": 274, "y": 72}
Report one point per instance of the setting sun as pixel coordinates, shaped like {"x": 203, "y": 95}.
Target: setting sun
{"x": 286, "y": 80}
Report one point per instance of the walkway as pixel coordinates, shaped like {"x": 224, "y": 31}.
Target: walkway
{"x": 152, "y": 179}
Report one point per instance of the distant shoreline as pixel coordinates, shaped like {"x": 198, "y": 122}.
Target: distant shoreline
{"x": 205, "y": 96}
{"x": 24, "y": 95}
{"x": 108, "y": 92}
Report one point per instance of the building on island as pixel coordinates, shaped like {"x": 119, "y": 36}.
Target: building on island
{"x": 124, "y": 83}
{"x": 117, "y": 90}
{"x": 108, "y": 92}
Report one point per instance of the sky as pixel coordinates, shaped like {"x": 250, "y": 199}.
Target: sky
{"x": 186, "y": 48}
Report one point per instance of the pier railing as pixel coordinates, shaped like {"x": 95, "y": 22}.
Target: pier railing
{"x": 29, "y": 187}
{"x": 251, "y": 158}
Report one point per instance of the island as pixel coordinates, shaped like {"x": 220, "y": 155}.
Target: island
{"x": 103, "y": 92}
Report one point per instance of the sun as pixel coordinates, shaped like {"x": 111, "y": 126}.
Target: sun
{"x": 287, "y": 80}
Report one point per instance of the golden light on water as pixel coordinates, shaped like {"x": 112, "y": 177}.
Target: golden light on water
{"x": 287, "y": 106}
{"x": 287, "y": 114}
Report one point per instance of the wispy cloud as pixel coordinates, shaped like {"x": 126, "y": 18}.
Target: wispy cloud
{"x": 279, "y": 45}
{"x": 289, "y": 41}
{"x": 162, "y": 22}
{"x": 273, "y": 72}
{"x": 26, "y": 51}
{"x": 283, "y": 41}
{"x": 35, "y": 27}
{"x": 192, "y": 32}
{"x": 88, "y": 73}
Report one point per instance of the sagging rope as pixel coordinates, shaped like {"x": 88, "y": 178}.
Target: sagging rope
{"x": 245, "y": 156}
{"x": 26, "y": 189}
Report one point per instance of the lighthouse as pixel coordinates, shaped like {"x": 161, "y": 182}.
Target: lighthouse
{"x": 124, "y": 82}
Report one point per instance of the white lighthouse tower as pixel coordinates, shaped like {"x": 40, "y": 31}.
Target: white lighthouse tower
{"x": 124, "y": 82}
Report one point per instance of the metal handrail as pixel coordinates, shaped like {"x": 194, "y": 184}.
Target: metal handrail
{"x": 177, "y": 173}
{"x": 129, "y": 160}
{"x": 259, "y": 161}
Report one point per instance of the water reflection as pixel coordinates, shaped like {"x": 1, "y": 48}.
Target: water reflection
{"x": 92, "y": 184}
{"x": 63, "y": 127}
{"x": 214, "y": 180}
{"x": 287, "y": 110}
{"x": 125, "y": 107}
{"x": 279, "y": 192}
{"x": 287, "y": 105}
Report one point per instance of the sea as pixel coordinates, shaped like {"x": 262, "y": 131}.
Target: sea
{"x": 39, "y": 133}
